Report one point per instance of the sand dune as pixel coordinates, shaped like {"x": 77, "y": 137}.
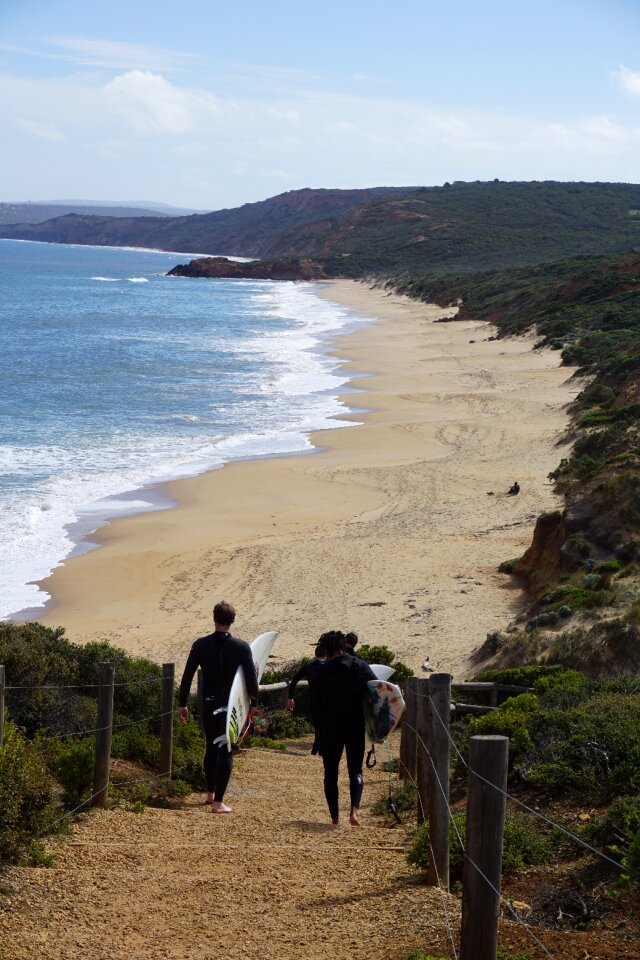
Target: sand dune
{"x": 387, "y": 530}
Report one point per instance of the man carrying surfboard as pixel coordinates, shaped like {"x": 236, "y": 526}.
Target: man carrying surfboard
{"x": 343, "y": 682}
{"x": 219, "y": 655}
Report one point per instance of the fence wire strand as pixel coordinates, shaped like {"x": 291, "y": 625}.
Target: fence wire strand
{"x": 84, "y": 686}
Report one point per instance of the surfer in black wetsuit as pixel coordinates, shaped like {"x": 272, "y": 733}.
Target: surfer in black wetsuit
{"x": 343, "y": 682}
{"x": 218, "y": 655}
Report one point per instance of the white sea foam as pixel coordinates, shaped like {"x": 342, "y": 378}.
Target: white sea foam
{"x": 82, "y": 487}
{"x": 107, "y": 279}
{"x": 138, "y": 279}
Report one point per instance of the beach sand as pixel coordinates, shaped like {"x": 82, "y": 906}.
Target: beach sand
{"x": 388, "y": 529}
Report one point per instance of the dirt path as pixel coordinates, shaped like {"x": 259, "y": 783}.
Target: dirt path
{"x": 274, "y": 880}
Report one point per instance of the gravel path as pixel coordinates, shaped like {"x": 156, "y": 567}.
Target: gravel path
{"x": 274, "y": 880}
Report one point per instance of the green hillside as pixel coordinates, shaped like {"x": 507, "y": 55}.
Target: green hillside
{"x": 479, "y": 226}
{"x": 387, "y": 231}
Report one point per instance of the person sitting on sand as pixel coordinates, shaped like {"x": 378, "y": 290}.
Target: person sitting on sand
{"x": 311, "y": 673}
{"x": 514, "y": 489}
{"x": 343, "y": 682}
{"x": 218, "y": 655}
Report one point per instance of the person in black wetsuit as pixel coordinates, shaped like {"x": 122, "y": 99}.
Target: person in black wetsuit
{"x": 218, "y": 655}
{"x": 343, "y": 682}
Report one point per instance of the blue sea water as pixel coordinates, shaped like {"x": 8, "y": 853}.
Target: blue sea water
{"x": 115, "y": 377}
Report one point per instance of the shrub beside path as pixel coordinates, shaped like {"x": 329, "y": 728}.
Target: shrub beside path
{"x": 273, "y": 881}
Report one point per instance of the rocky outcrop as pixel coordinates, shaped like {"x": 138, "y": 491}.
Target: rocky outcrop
{"x": 542, "y": 563}
{"x": 220, "y": 267}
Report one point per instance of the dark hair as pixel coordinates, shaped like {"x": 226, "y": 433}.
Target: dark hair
{"x": 332, "y": 642}
{"x": 351, "y": 639}
{"x": 224, "y": 613}
{"x": 320, "y": 651}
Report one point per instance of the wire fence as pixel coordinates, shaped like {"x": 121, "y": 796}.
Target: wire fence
{"x": 503, "y": 900}
{"x": 536, "y": 813}
{"x": 83, "y": 686}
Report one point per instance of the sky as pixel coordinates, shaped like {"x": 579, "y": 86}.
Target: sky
{"x": 213, "y": 104}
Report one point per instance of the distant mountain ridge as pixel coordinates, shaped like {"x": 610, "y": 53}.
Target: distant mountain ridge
{"x": 259, "y": 229}
{"x": 38, "y": 212}
{"x": 386, "y": 231}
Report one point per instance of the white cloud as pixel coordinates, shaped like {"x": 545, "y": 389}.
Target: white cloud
{"x": 151, "y": 104}
{"x": 45, "y": 131}
{"x": 189, "y": 145}
{"x": 366, "y": 78}
{"x": 628, "y": 79}
{"x": 115, "y": 55}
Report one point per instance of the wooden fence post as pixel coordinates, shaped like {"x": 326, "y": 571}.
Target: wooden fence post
{"x": 166, "y": 720}
{"x": 2, "y": 680}
{"x": 408, "y": 735}
{"x": 486, "y": 801}
{"x": 423, "y": 763}
{"x": 104, "y": 730}
{"x": 438, "y": 790}
{"x": 200, "y": 701}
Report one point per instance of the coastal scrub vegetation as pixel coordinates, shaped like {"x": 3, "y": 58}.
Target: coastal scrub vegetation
{"x": 46, "y": 762}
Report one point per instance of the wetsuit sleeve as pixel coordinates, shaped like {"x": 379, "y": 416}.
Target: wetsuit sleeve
{"x": 191, "y": 666}
{"x": 249, "y": 668}
{"x": 300, "y": 675}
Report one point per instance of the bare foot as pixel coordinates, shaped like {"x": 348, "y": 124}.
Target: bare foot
{"x": 209, "y": 799}
{"x": 354, "y": 817}
{"x": 218, "y": 807}
{"x": 336, "y": 822}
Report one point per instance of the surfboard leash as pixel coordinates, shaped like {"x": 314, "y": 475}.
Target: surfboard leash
{"x": 390, "y": 804}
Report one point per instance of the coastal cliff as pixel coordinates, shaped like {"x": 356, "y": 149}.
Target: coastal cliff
{"x": 221, "y": 268}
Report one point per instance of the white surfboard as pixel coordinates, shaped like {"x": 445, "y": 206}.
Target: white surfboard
{"x": 382, "y": 671}
{"x": 239, "y": 702}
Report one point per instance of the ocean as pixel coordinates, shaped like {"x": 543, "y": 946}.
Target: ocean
{"x": 116, "y": 378}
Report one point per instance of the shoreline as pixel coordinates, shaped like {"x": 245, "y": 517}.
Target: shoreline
{"x": 386, "y": 528}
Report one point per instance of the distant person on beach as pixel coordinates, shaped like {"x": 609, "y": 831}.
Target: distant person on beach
{"x": 514, "y": 489}
{"x": 218, "y": 655}
{"x": 311, "y": 673}
{"x": 343, "y": 683}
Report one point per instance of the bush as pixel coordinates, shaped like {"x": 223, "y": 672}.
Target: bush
{"x": 419, "y": 955}
{"x": 382, "y": 654}
{"x": 524, "y": 844}
{"x": 504, "y": 723}
{"x": 593, "y": 747}
{"x": 619, "y": 830}
{"x": 75, "y": 771}
{"x": 25, "y": 794}
{"x": 188, "y": 754}
{"x": 520, "y": 676}
{"x": 284, "y": 725}
{"x": 404, "y": 797}
{"x": 419, "y": 853}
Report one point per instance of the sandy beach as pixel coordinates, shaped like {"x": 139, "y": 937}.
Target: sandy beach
{"x": 388, "y": 529}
